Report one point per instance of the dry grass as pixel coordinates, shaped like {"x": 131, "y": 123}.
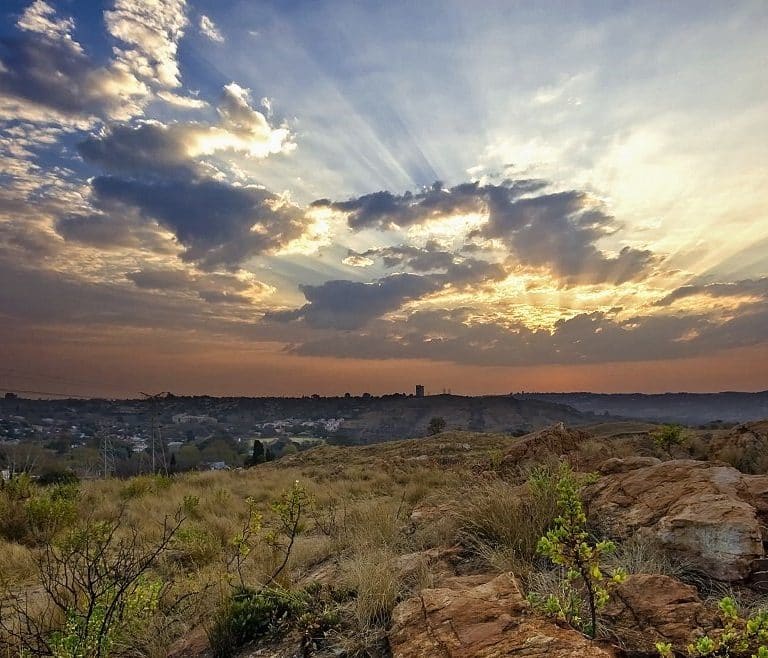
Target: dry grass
{"x": 17, "y": 564}
{"x": 502, "y": 523}
{"x": 372, "y": 575}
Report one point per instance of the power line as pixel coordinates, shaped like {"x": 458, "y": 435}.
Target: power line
{"x": 52, "y": 394}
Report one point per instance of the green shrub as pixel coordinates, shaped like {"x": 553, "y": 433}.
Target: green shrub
{"x": 52, "y": 510}
{"x": 739, "y": 636}
{"x": 34, "y": 515}
{"x": 569, "y": 546}
{"x": 250, "y": 615}
{"x": 195, "y": 546}
{"x": 667, "y": 436}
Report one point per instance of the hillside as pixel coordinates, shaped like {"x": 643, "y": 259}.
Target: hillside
{"x": 687, "y": 408}
{"x": 424, "y": 547}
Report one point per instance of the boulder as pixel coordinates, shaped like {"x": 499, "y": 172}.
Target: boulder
{"x": 473, "y": 617}
{"x": 536, "y": 447}
{"x": 745, "y": 447}
{"x": 440, "y": 563}
{"x": 618, "y": 465}
{"x": 704, "y": 513}
{"x": 650, "y": 608}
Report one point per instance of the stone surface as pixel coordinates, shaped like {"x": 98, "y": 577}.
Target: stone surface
{"x": 473, "y": 617}
{"x": 554, "y": 440}
{"x": 617, "y": 465}
{"x": 705, "y": 513}
{"x": 650, "y": 608}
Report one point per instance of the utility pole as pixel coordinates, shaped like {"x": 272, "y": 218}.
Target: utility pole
{"x": 107, "y": 452}
{"x": 153, "y": 398}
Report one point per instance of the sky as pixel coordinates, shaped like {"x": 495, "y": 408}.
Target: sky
{"x": 239, "y": 198}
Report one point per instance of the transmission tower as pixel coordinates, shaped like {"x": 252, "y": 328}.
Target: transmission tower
{"x": 155, "y": 438}
{"x": 107, "y": 452}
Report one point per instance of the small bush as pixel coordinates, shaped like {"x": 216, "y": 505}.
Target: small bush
{"x": 739, "y": 636}
{"x": 667, "y": 436}
{"x": 250, "y": 615}
{"x": 195, "y": 546}
{"x": 569, "y": 546}
{"x": 51, "y": 511}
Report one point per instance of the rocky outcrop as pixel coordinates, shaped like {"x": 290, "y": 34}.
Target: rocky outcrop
{"x": 473, "y": 617}
{"x": 555, "y": 440}
{"x": 618, "y": 465}
{"x": 650, "y": 608}
{"x": 705, "y": 513}
{"x": 745, "y": 447}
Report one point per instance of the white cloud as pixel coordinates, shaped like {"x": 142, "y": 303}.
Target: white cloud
{"x": 151, "y": 29}
{"x": 209, "y": 29}
{"x": 187, "y": 102}
{"x": 41, "y": 17}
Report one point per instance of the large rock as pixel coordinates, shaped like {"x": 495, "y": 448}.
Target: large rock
{"x": 705, "y": 513}
{"x": 650, "y": 608}
{"x": 471, "y": 617}
{"x": 555, "y": 440}
{"x": 745, "y": 447}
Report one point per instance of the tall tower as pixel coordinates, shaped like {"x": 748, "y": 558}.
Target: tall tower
{"x": 419, "y": 390}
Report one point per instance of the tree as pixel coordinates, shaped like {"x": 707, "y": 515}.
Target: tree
{"x": 436, "y": 425}
{"x": 258, "y": 456}
{"x": 667, "y": 436}
{"x": 97, "y": 579}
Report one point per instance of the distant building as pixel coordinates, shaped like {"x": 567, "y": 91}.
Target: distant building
{"x": 419, "y": 391}
{"x": 178, "y": 419}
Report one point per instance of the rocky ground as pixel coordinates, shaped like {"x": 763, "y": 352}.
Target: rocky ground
{"x": 429, "y": 547}
{"x": 704, "y": 516}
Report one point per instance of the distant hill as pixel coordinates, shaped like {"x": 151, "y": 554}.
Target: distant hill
{"x": 398, "y": 418}
{"x": 348, "y": 420}
{"x": 686, "y": 408}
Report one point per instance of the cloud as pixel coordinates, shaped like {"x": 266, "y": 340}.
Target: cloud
{"x": 209, "y": 29}
{"x": 40, "y": 17}
{"x": 141, "y": 149}
{"x": 185, "y": 102}
{"x": 559, "y": 231}
{"x": 556, "y": 231}
{"x": 456, "y": 335}
{"x": 151, "y": 147}
{"x": 150, "y": 30}
{"x": 110, "y": 232}
{"x": 385, "y": 210}
{"x": 756, "y": 288}
{"x": 344, "y": 304}
{"x": 43, "y": 67}
{"x": 218, "y": 224}
{"x": 212, "y": 288}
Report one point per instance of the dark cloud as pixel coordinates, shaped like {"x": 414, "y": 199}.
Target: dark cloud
{"x": 557, "y": 231}
{"x": 111, "y": 232}
{"x": 52, "y": 71}
{"x": 143, "y": 149}
{"x": 212, "y": 288}
{"x": 384, "y": 210}
{"x": 745, "y": 288}
{"x": 351, "y": 304}
{"x": 453, "y": 335}
{"x": 218, "y": 224}
{"x": 418, "y": 259}
{"x": 345, "y": 304}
